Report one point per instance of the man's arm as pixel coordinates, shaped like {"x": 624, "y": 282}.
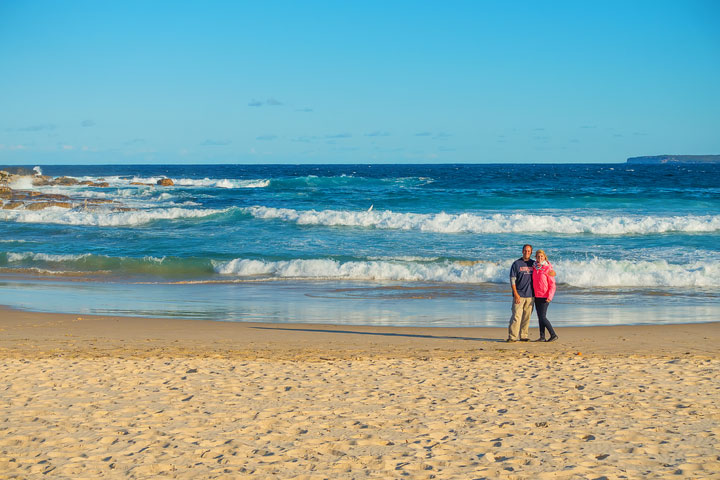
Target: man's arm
{"x": 516, "y": 296}
{"x": 513, "y": 276}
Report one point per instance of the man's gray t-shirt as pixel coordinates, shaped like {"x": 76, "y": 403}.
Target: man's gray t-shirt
{"x": 521, "y": 271}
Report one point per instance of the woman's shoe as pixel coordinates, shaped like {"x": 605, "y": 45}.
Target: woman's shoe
{"x": 553, "y": 338}
{"x": 541, "y": 339}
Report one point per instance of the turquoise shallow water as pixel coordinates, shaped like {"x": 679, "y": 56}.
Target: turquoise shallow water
{"x": 371, "y": 244}
{"x": 339, "y": 303}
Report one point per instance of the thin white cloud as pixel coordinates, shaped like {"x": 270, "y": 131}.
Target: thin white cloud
{"x": 270, "y": 102}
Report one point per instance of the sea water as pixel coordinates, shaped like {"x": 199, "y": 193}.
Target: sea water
{"x": 370, "y": 244}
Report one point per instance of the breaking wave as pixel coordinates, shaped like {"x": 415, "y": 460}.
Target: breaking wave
{"x": 496, "y": 223}
{"x": 601, "y": 273}
{"x": 594, "y": 273}
{"x": 202, "y": 182}
{"x": 222, "y": 183}
{"x": 124, "y": 181}
{"x": 44, "y": 257}
{"x": 584, "y": 274}
{"x": 364, "y": 270}
{"x": 103, "y": 218}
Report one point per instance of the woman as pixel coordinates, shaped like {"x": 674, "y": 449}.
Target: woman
{"x": 544, "y": 287}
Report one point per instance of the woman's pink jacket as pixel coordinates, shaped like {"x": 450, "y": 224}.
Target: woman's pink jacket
{"x": 543, "y": 284}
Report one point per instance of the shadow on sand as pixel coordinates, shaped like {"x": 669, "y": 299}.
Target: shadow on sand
{"x": 383, "y": 334}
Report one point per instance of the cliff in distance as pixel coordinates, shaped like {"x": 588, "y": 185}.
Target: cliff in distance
{"x": 661, "y": 159}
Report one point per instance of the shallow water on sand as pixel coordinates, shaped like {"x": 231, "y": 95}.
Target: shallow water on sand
{"x": 345, "y": 303}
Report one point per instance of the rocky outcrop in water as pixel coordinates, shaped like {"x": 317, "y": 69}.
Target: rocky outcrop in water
{"x": 12, "y": 198}
{"x": 31, "y": 200}
{"x": 66, "y": 181}
{"x": 16, "y": 193}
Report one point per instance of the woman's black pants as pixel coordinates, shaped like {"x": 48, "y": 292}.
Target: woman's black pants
{"x": 541, "y": 306}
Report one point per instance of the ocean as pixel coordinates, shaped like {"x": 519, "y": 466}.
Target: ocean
{"x": 421, "y": 245}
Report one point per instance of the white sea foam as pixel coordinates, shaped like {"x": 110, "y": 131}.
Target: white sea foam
{"x": 102, "y": 218}
{"x": 221, "y": 183}
{"x": 43, "y": 257}
{"x": 591, "y": 273}
{"x": 201, "y": 183}
{"x": 405, "y": 258}
{"x": 72, "y": 190}
{"x": 643, "y": 274}
{"x": 360, "y": 270}
{"x": 497, "y": 223}
{"x": 129, "y": 197}
{"x": 22, "y": 183}
{"x": 117, "y": 181}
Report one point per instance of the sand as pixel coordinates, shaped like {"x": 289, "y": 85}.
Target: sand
{"x": 89, "y": 397}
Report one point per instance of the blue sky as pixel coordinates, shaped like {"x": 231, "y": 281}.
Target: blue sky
{"x": 357, "y": 82}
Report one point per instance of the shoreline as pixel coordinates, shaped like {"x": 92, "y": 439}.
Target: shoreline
{"x": 339, "y": 303}
{"x": 49, "y": 334}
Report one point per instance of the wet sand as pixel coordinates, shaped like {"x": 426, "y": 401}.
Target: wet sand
{"x": 121, "y": 397}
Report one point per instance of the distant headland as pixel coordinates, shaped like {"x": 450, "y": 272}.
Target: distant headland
{"x": 660, "y": 159}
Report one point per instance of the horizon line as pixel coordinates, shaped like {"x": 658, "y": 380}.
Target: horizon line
{"x": 305, "y": 164}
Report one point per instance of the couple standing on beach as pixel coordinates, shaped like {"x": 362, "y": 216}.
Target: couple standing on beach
{"x": 532, "y": 281}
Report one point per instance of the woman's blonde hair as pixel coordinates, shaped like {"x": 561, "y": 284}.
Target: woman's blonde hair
{"x": 543, "y": 252}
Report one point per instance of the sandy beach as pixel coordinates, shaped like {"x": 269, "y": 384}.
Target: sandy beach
{"x": 113, "y": 397}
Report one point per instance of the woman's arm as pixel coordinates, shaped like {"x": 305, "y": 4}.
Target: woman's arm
{"x": 551, "y": 285}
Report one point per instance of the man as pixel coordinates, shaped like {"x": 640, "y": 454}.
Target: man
{"x": 522, "y": 289}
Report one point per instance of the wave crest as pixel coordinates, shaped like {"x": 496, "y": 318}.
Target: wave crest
{"x": 363, "y": 270}
{"x": 585, "y": 274}
{"x": 496, "y": 223}
{"x": 103, "y": 218}
{"x": 125, "y": 181}
{"x": 594, "y": 273}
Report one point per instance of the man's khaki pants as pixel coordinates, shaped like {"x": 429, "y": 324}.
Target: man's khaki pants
{"x": 520, "y": 319}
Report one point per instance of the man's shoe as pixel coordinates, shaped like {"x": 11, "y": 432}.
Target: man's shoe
{"x": 541, "y": 339}
{"x": 553, "y": 338}
{"x": 510, "y": 340}
{"x": 524, "y": 339}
